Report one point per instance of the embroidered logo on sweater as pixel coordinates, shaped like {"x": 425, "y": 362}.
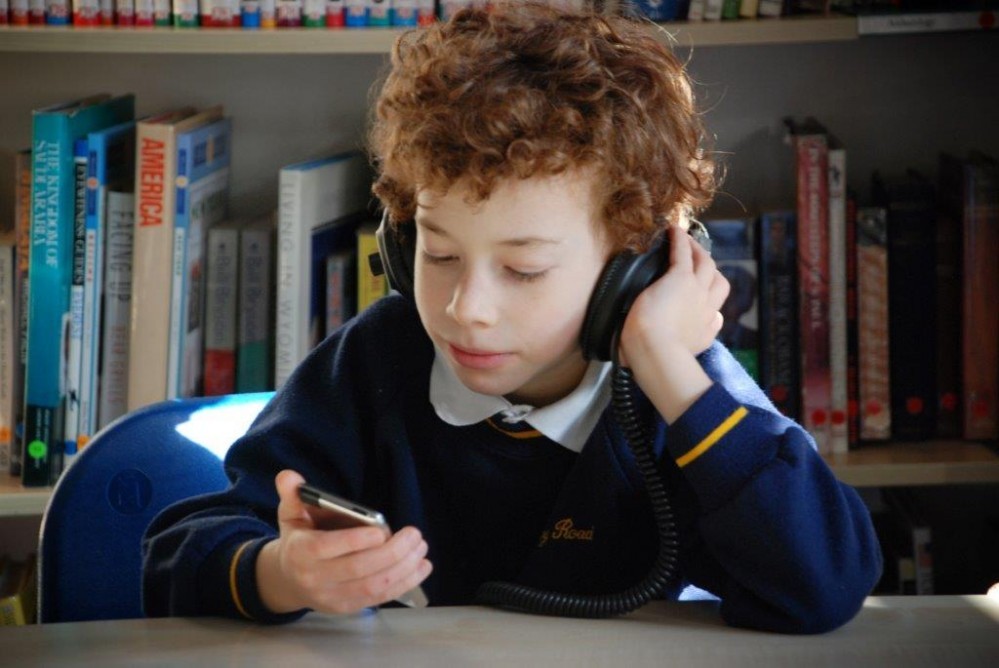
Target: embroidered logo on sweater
{"x": 565, "y": 530}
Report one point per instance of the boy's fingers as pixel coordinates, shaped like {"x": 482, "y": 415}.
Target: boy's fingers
{"x": 376, "y": 557}
{"x": 290, "y": 508}
{"x": 679, "y": 249}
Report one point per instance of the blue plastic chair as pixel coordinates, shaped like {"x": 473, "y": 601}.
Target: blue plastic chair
{"x": 90, "y": 553}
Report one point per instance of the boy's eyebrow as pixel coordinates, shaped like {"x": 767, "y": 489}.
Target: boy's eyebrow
{"x": 516, "y": 242}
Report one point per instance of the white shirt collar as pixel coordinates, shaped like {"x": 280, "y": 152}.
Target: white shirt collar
{"x": 569, "y": 421}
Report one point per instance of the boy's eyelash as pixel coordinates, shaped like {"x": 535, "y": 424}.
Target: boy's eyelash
{"x": 523, "y": 276}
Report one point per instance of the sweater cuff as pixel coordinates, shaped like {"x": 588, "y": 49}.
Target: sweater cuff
{"x": 243, "y": 596}
{"x": 719, "y": 446}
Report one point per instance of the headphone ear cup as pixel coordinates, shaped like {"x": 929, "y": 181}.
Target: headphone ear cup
{"x": 396, "y": 253}
{"x": 624, "y": 277}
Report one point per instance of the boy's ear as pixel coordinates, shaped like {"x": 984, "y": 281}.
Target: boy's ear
{"x": 396, "y": 255}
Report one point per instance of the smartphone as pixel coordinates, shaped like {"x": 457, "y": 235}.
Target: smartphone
{"x": 339, "y": 513}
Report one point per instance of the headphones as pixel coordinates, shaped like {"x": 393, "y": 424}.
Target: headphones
{"x": 623, "y": 278}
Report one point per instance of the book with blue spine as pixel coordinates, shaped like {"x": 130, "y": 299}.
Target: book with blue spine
{"x": 110, "y": 164}
{"x": 54, "y": 129}
{"x": 202, "y": 189}
{"x": 733, "y": 248}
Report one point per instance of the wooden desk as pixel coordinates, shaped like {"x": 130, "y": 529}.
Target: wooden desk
{"x": 951, "y": 631}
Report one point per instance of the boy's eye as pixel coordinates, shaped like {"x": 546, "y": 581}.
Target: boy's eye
{"x": 438, "y": 259}
{"x": 527, "y": 276}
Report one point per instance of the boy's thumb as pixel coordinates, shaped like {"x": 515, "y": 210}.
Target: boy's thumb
{"x": 291, "y": 507}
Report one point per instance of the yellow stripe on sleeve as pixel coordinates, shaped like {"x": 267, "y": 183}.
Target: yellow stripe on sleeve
{"x": 713, "y": 437}
{"x": 232, "y": 580}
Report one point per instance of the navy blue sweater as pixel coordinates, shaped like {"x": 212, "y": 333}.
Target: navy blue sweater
{"x": 763, "y": 523}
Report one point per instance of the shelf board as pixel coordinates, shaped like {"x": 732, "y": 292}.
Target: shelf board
{"x": 921, "y": 463}
{"x": 18, "y": 500}
{"x": 42, "y": 39}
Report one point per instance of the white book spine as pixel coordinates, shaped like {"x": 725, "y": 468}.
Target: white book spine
{"x": 713, "y": 10}
{"x": 771, "y": 8}
{"x": 839, "y": 427}
{"x": 175, "y": 340}
{"x": 696, "y": 10}
{"x": 115, "y": 330}
{"x": 7, "y": 345}
{"x": 76, "y": 298}
{"x": 291, "y": 332}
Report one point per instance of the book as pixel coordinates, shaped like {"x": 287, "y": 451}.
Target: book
{"x": 779, "y": 355}
{"x": 110, "y": 165}
{"x": 255, "y": 351}
{"x": 733, "y": 248}
{"x": 910, "y": 203}
{"x": 370, "y": 287}
{"x": 980, "y": 294}
{"x": 22, "y": 235}
{"x": 310, "y": 194}
{"x": 948, "y": 286}
{"x": 8, "y": 346}
{"x": 221, "y": 300}
{"x": 76, "y": 292}
{"x": 811, "y": 152}
{"x": 873, "y": 364}
{"x": 839, "y": 437}
{"x": 155, "y": 203}
{"x": 54, "y": 129}
{"x": 852, "y": 333}
{"x": 117, "y": 315}
{"x": 202, "y": 194}
{"x": 341, "y": 288}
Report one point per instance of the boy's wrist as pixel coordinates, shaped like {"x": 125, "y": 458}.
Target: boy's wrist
{"x": 672, "y": 379}
{"x": 272, "y": 589}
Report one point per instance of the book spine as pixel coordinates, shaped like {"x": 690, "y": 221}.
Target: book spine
{"x": 852, "y": 340}
{"x": 948, "y": 297}
{"x": 220, "y": 310}
{"x": 291, "y": 330}
{"x": 340, "y": 289}
{"x": 178, "y": 272}
{"x": 8, "y": 344}
{"x": 155, "y": 164}
{"x": 813, "y": 273}
{"x": 73, "y": 379}
{"x": 779, "y": 355}
{"x": 838, "y": 430}
{"x": 116, "y": 319}
{"x": 980, "y": 357}
{"x": 22, "y": 234}
{"x": 254, "y": 354}
{"x": 48, "y": 306}
{"x": 874, "y": 377}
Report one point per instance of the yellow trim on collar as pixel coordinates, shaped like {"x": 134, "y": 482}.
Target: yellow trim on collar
{"x": 232, "y": 580}
{"x": 713, "y": 437}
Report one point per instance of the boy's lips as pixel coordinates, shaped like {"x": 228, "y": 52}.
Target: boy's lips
{"x": 477, "y": 359}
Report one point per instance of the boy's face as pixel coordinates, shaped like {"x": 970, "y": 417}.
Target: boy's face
{"x": 502, "y": 286}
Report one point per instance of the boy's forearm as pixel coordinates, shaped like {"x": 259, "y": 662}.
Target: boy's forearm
{"x": 672, "y": 379}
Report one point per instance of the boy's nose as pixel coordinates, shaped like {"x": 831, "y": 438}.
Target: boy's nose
{"x": 472, "y": 302}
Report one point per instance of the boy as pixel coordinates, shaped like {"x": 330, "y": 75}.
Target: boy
{"x": 529, "y": 146}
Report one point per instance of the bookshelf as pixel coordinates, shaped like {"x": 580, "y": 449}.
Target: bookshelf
{"x": 290, "y": 90}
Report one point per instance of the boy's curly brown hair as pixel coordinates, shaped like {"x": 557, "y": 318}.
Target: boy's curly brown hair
{"x": 526, "y": 89}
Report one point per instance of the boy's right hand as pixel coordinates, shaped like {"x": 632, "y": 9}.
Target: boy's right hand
{"x": 338, "y": 572}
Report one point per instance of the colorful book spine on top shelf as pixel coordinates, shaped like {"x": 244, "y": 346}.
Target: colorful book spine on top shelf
{"x": 779, "y": 355}
{"x": 310, "y": 194}
{"x": 910, "y": 202}
{"x": 733, "y": 248}
{"x": 811, "y": 152}
{"x": 202, "y": 194}
{"x": 54, "y": 130}
{"x": 110, "y": 164}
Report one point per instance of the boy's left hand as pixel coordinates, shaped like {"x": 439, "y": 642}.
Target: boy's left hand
{"x": 671, "y": 322}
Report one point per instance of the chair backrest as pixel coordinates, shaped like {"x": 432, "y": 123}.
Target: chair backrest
{"x": 89, "y": 553}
